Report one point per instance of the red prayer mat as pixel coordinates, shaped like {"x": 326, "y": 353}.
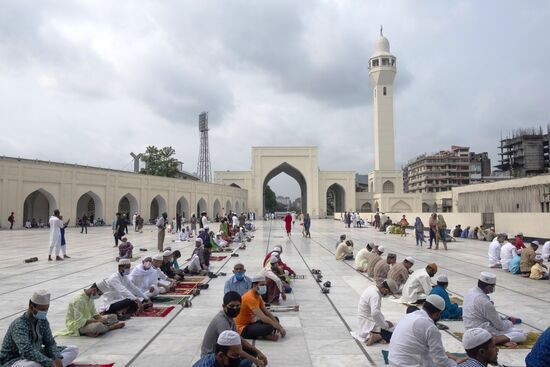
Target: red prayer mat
{"x": 156, "y": 312}
{"x": 213, "y": 258}
{"x": 184, "y": 289}
{"x": 91, "y": 365}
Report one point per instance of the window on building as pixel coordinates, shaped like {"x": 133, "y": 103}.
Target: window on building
{"x": 384, "y": 90}
{"x": 385, "y": 62}
{"x": 375, "y": 62}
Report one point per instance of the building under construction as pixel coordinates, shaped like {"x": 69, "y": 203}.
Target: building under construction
{"x": 525, "y": 153}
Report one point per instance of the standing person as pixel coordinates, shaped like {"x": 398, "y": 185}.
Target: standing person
{"x": 178, "y": 222}
{"x": 432, "y": 222}
{"x": 118, "y": 228}
{"x": 161, "y": 227}
{"x": 134, "y": 221}
{"x": 84, "y": 223}
{"x": 56, "y": 223}
{"x": 63, "y": 242}
{"x": 204, "y": 220}
{"x": 403, "y": 224}
{"x": 307, "y": 225}
{"x": 377, "y": 220}
{"x": 441, "y": 232}
{"x": 419, "y": 231}
{"x": 193, "y": 222}
{"x": 11, "y": 219}
{"x": 288, "y": 224}
{"x": 348, "y": 219}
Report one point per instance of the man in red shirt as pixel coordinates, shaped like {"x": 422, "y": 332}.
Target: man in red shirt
{"x": 288, "y": 223}
{"x": 519, "y": 242}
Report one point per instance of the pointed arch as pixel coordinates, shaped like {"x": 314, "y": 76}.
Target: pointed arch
{"x": 376, "y": 207}
{"x": 217, "y": 209}
{"x": 425, "y": 208}
{"x": 366, "y": 207}
{"x": 401, "y": 207}
{"x": 158, "y": 206}
{"x": 292, "y": 172}
{"x": 336, "y": 199}
{"x": 39, "y": 204}
{"x": 90, "y": 204}
{"x": 228, "y": 206}
{"x": 128, "y": 204}
{"x": 388, "y": 187}
{"x": 237, "y": 207}
{"x": 234, "y": 185}
{"x": 182, "y": 207}
{"x": 201, "y": 207}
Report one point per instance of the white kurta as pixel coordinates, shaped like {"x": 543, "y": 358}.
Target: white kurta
{"x": 546, "y": 251}
{"x": 55, "y": 234}
{"x": 204, "y": 221}
{"x": 494, "y": 253}
{"x": 418, "y": 286}
{"x": 370, "y": 313}
{"x": 480, "y": 312}
{"x": 120, "y": 288}
{"x": 507, "y": 253}
{"x": 361, "y": 262}
{"x": 144, "y": 278}
{"x": 416, "y": 342}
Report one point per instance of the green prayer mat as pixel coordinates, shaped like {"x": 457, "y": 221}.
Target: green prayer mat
{"x": 532, "y": 338}
{"x": 167, "y": 300}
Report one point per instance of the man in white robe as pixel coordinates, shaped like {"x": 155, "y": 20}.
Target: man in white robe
{"x": 419, "y": 284}
{"x": 56, "y": 223}
{"x": 546, "y": 251}
{"x": 371, "y": 318}
{"x": 494, "y": 251}
{"x": 507, "y": 253}
{"x": 361, "y": 259}
{"x": 416, "y": 340}
{"x": 480, "y": 312}
{"x": 146, "y": 278}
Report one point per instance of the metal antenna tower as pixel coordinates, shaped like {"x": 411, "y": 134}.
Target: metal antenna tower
{"x": 203, "y": 169}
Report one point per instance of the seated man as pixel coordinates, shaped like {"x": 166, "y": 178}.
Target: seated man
{"x": 452, "y": 311}
{"x": 507, "y": 253}
{"x": 539, "y": 271}
{"x": 125, "y": 249}
{"x": 278, "y": 250}
{"x": 383, "y": 267}
{"x": 345, "y": 251}
{"x": 419, "y": 285}
{"x": 120, "y": 295}
{"x": 255, "y": 321}
{"x": 175, "y": 264}
{"x": 239, "y": 282}
{"x": 480, "y": 347}
{"x": 480, "y": 312}
{"x": 83, "y": 319}
{"x": 371, "y": 319}
{"x": 457, "y": 231}
{"x": 528, "y": 259}
{"x": 416, "y": 340}
{"x": 226, "y": 353}
{"x": 196, "y": 264}
{"x": 399, "y": 273}
{"x": 276, "y": 287}
{"x": 373, "y": 258}
{"x": 146, "y": 278}
{"x": 361, "y": 260}
{"x": 342, "y": 239}
{"x": 163, "y": 280}
{"x": 540, "y": 354}
{"x": 29, "y": 341}
{"x": 465, "y": 232}
{"x": 184, "y": 235}
{"x": 222, "y": 243}
{"x": 494, "y": 251}
{"x": 167, "y": 267}
{"x": 224, "y": 320}
{"x": 513, "y": 267}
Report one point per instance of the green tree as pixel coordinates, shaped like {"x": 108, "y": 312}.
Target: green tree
{"x": 160, "y": 162}
{"x": 270, "y": 200}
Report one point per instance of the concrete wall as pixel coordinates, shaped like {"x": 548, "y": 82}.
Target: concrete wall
{"x": 64, "y": 184}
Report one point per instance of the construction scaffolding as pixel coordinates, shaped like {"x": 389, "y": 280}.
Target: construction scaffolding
{"x": 525, "y": 152}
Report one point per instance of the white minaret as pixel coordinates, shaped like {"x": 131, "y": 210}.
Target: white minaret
{"x": 381, "y": 74}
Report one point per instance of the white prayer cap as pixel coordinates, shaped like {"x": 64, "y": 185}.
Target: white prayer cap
{"x": 381, "y": 249}
{"x": 436, "y": 301}
{"x": 206, "y": 227}
{"x": 488, "y": 278}
{"x": 158, "y": 257}
{"x": 124, "y": 262}
{"x": 41, "y": 297}
{"x": 258, "y": 278}
{"x": 199, "y": 240}
{"x": 148, "y": 258}
{"x": 392, "y": 285}
{"x": 538, "y": 257}
{"x": 201, "y": 229}
{"x": 535, "y": 243}
{"x": 475, "y": 337}
{"x": 168, "y": 248}
{"x": 410, "y": 259}
{"x": 167, "y": 253}
{"x": 102, "y": 286}
{"x": 278, "y": 248}
{"x": 274, "y": 259}
{"x": 229, "y": 338}
{"x": 443, "y": 278}
{"x": 520, "y": 234}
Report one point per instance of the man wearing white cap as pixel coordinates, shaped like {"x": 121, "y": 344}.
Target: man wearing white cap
{"x": 507, "y": 254}
{"x": 480, "y": 347}
{"x": 399, "y": 273}
{"x": 29, "y": 341}
{"x": 361, "y": 259}
{"x": 452, "y": 310}
{"x": 278, "y": 250}
{"x": 371, "y": 318}
{"x": 539, "y": 271}
{"x": 226, "y": 353}
{"x": 480, "y": 312}
{"x": 120, "y": 295}
{"x": 373, "y": 258}
{"x": 255, "y": 321}
{"x": 146, "y": 278}
{"x": 419, "y": 284}
{"x": 494, "y": 251}
{"x": 275, "y": 285}
{"x": 416, "y": 340}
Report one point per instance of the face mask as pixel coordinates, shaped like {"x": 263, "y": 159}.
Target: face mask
{"x": 147, "y": 265}
{"x": 262, "y": 289}
{"x": 40, "y": 315}
{"x": 94, "y": 296}
{"x": 239, "y": 276}
{"x": 126, "y": 272}
{"x": 233, "y": 312}
{"x": 233, "y": 362}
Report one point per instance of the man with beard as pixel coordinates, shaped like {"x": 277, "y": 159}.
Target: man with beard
{"x": 224, "y": 321}
{"x": 480, "y": 347}
{"x": 419, "y": 284}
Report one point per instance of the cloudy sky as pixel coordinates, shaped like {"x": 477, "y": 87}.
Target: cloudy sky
{"x": 89, "y": 82}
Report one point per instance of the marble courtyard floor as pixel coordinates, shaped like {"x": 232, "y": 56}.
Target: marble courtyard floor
{"x": 317, "y": 335}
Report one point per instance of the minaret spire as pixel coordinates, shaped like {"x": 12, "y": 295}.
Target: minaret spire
{"x": 381, "y": 34}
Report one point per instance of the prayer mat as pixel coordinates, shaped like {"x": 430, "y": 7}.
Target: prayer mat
{"x": 184, "y": 289}
{"x": 156, "y": 312}
{"x": 301, "y": 276}
{"x": 194, "y": 279}
{"x": 91, "y": 365}
{"x": 213, "y": 258}
{"x": 529, "y": 343}
{"x": 386, "y": 355}
{"x": 167, "y": 300}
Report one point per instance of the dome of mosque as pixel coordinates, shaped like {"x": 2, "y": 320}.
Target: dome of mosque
{"x": 382, "y": 46}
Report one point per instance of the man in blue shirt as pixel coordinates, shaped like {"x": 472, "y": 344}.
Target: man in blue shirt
{"x": 480, "y": 347}
{"x": 239, "y": 282}
{"x": 452, "y": 311}
{"x": 540, "y": 354}
{"x": 226, "y": 353}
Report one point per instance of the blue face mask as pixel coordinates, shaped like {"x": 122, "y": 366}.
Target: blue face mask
{"x": 239, "y": 276}
{"x": 262, "y": 289}
{"x": 40, "y": 315}
{"x": 126, "y": 272}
